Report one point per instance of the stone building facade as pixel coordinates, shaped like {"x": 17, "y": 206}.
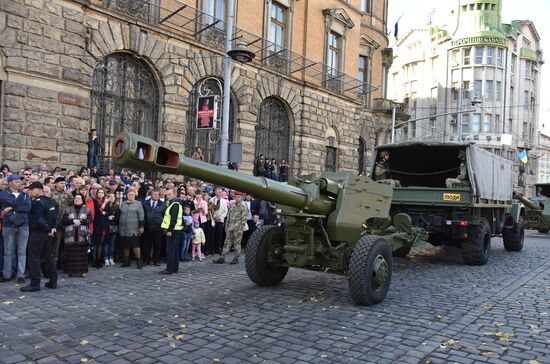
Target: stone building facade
{"x": 472, "y": 61}
{"x": 311, "y": 96}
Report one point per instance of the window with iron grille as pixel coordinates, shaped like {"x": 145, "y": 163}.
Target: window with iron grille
{"x": 207, "y": 138}
{"x": 273, "y": 130}
{"x": 125, "y": 97}
{"x": 361, "y": 154}
{"x": 332, "y": 155}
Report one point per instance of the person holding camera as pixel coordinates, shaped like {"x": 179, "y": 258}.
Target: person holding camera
{"x": 15, "y": 207}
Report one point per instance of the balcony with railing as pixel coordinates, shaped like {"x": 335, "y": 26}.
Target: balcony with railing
{"x": 178, "y": 17}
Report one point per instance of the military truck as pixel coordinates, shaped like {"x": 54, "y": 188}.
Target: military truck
{"x": 537, "y": 208}
{"x": 466, "y": 216}
{"x": 324, "y": 219}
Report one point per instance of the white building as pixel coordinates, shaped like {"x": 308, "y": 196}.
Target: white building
{"x": 472, "y": 62}
{"x": 544, "y": 160}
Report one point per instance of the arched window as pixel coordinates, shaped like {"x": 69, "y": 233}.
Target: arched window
{"x": 207, "y": 138}
{"x": 125, "y": 97}
{"x": 331, "y": 161}
{"x": 361, "y": 155}
{"x": 273, "y": 130}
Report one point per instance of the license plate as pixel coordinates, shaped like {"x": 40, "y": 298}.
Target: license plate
{"x": 455, "y": 197}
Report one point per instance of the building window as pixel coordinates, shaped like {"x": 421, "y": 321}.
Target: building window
{"x": 361, "y": 155}
{"x": 487, "y": 123}
{"x": 500, "y": 56}
{"x": 479, "y": 55}
{"x": 528, "y": 66}
{"x": 490, "y": 55}
{"x": 454, "y": 58}
{"x": 273, "y": 133}
{"x": 497, "y": 124}
{"x": 432, "y": 127}
{"x": 465, "y": 123}
{"x": 363, "y": 74}
{"x": 197, "y": 137}
{"x": 489, "y": 89}
{"x": 278, "y": 26}
{"x": 125, "y": 97}
{"x": 466, "y": 56}
{"x": 331, "y": 161}
{"x": 526, "y": 99}
{"x": 476, "y": 123}
{"x": 413, "y": 129}
{"x": 466, "y": 89}
{"x": 498, "y": 91}
{"x": 513, "y": 63}
{"x": 366, "y": 6}
{"x": 333, "y": 53}
{"x": 477, "y": 90}
{"x": 215, "y": 10}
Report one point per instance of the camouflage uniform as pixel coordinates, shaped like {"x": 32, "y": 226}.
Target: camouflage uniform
{"x": 462, "y": 179}
{"x": 382, "y": 174}
{"x": 234, "y": 224}
{"x": 64, "y": 201}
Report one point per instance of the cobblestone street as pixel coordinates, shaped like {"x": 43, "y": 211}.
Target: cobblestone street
{"x": 437, "y": 310}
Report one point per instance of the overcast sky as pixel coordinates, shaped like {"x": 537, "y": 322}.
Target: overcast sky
{"x": 415, "y": 13}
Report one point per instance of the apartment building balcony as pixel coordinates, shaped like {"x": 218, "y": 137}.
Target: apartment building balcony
{"x": 184, "y": 21}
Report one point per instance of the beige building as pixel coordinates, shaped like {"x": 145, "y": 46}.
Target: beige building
{"x": 472, "y": 61}
{"x": 543, "y": 160}
{"x": 314, "y": 94}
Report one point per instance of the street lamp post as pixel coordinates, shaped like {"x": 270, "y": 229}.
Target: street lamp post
{"x": 461, "y": 105}
{"x": 241, "y": 54}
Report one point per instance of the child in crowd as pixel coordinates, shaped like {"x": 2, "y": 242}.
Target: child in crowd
{"x": 198, "y": 240}
{"x": 188, "y": 230}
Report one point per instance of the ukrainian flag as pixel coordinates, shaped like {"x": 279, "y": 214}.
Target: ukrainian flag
{"x": 523, "y": 155}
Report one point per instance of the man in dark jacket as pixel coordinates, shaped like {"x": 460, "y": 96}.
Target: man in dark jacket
{"x": 154, "y": 214}
{"x": 93, "y": 149}
{"x": 15, "y": 207}
{"x": 172, "y": 224}
{"x": 54, "y": 220}
{"x": 42, "y": 223}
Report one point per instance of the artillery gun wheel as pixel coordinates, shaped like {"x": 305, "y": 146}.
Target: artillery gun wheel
{"x": 542, "y": 230}
{"x": 476, "y": 250}
{"x": 370, "y": 270}
{"x": 513, "y": 237}
{"x": 257, "y": 251}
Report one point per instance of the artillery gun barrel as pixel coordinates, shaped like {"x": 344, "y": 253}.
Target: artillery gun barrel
{"x": 528, "y": 203}
{"x": 135, "y": 151}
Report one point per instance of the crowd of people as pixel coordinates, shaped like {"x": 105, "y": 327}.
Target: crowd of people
{"x": 71, "y": 220}
{"x": 269, "y": 168}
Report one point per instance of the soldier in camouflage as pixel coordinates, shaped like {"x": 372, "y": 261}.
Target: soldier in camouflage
{"x": 382, "y": 170}
{"x": 462, "y": 179}
{"x": 234, "y": 225}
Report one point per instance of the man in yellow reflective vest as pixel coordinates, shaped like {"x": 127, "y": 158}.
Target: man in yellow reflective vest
{"x": 172, "y": 225}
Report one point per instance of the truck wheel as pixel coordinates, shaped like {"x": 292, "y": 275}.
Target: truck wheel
{"x": 257, "y": 252}
{"x": 544, "y": 231}
{"x": 513, "y": 237}
{"x": 370, "y": 269}
{"x": 402, "y": 252}
{"x": 476, "y": 250}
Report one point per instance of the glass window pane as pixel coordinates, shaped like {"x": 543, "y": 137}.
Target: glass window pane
{"x": 479, "y": 55}
{"x": 487, "y": 123}
{"x": 488, "y": 90}
{"x": 476, "y": 123}
{"x": 466, "y": 56}
{"x": 490, "y": 54}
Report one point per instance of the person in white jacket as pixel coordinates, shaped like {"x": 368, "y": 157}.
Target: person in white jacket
{"x": 198, "y": 242}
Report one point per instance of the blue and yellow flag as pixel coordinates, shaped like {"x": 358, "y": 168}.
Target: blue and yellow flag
{"x": 522, "y": 154}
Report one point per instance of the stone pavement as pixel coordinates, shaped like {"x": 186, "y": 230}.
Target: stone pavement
{"x": 437, "y": 311}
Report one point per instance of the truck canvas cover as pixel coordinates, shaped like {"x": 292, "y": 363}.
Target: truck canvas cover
{"x": 429, "y": 164}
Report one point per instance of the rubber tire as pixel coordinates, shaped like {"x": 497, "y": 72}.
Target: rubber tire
{"x": 257, "y": 249}
{"x": 513, "y": 238}
{"x": 544, "y": 231}
{"x": 362, "y": 258}
{"x": 477, "y": 249}
{"x": 402, "y": 252}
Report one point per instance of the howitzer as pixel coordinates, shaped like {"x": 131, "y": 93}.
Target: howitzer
{"x": 324, "y": 219}
{"x": 537, "y": 208}
{"x": 530, "y": 205}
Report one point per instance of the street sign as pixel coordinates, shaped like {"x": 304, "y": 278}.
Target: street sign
{"x": 207, "y": 112}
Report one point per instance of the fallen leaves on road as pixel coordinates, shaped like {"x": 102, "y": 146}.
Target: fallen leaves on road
{"x": 7, "y": 302}
{"x": 503, "y": 336}
{"x": 84, "y": 342}
{"x": 216, "y": 360}
{"x": 85, "y": 360}
{"x": 534, "y": 362}
{"x": 447, "y": 343}
{"x": 489, "y": 306}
